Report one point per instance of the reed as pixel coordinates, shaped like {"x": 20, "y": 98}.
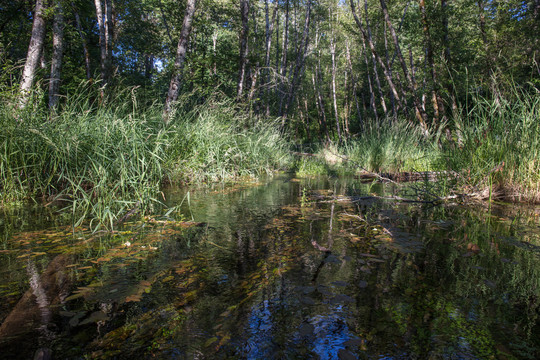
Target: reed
{"x": 98, "y": 161}
{"x": 392, "y": 147}
{"x": 389, "y": 147}
{"x": 496, "y": 145}
{"x": 218, "y": 143}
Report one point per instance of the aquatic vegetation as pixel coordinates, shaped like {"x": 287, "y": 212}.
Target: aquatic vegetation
{"x": 269, "y": 276}
{"x": 496, "y": 145}
{"x": 102, "y": 162}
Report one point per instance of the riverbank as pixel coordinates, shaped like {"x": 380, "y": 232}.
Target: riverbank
{"x": 101, "y": 162}
{"x": 491, "y": 150}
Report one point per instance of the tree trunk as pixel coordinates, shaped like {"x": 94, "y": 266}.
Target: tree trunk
{"x": 334, "y": 95}
{"x": 374, "y": 52}
{"x": 483, "y": 33}
{"x": 320, "y": 104}
{"x": 283, "y": 67}
{"x": 308, "y": 130}
{"x": 58, "y": 49}
{"x": 102, "y": 41}
{"x": 34, "y": 54}
{"x": 370, "y": 85}
{"x": 283, "y": 64}
{"x": 109, "y": 34}
{"x": 84, "y": 46}
{"x": 353, "y": 80}
{"x": 300, "y": 61}
{"x": 174, "y": 87}
{"x": 244, "y": 49}
{"x": 375, "y": 72}
{"x": 435, "y": 100}
{"x": 446, "y": 41}
{"x": 447, "y": 54}
{"x": 268, "y": 48}
{"x": 347, "y": 104}
{"x": 386, "y": 57}
{"x": 420, "y": 113}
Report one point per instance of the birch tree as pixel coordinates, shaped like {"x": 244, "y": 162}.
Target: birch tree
{"x": 105, "y": 25}
{"x": 58, "y": 53}
{"x": 244, "y": 48}
{"x": 33, "y": 56}
{"x": 174, "y": 87}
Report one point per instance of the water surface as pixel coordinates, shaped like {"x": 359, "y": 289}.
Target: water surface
{"x": 286, "y": 269}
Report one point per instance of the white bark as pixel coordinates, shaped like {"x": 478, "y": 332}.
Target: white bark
{"x": 174, "y": 87}
{"x": 34, "y": 54}
{"x": 58, "y": 50}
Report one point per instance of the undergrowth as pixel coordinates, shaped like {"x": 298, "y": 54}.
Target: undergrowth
{"x": 493, "y": 151}
{"x": 219, "y": 143}
{"x": 100, "y": 161}
{"x": 389, "y": 147}
{"x": 392, "y": 147}
{"x": 496, "y": 146}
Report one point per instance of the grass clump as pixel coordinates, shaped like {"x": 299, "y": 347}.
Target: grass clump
{"x": 496, "y": 147}
{"x": 310, "y": 167}
{"x": 101, "y": 161}
{"x": 391, "y": 147}
{"x": 97, "y": 161}
{"x": 215, "y": 142}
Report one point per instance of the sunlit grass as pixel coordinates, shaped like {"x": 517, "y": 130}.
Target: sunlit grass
{"x": 99, "y": 161}
{"x": 496, "y": 146}
{"x": 219, "y": 143}
{"x": 391, "y": 147}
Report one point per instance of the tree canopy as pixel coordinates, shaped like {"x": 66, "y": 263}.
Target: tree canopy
{"x": 324, "y": 66}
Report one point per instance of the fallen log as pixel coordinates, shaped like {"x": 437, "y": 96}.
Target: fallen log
{"x": 396, "y": 177}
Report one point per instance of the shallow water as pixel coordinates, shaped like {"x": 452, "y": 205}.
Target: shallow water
{"x": 286, "y": 269}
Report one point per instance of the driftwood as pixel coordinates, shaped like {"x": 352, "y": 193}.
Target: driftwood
{"x": 389, "y": 177}
{"x": 409, "y": 176}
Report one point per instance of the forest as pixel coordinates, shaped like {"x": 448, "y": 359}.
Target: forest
{"x": 104, "y": 102}
{"x": 269, "y": 179}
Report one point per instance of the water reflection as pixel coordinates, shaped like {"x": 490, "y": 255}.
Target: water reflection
{"x": 292, "y": 269}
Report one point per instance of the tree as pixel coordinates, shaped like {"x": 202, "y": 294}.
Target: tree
{"x": 105, "y": 25}
{"x": 58, "y": 49}
{"x": 174, "y": 87}
{"x": 244, "y": 49}
{"x": 34, "y": 53}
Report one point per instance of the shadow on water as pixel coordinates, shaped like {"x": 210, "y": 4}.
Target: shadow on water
{"x": 286, "y": 269}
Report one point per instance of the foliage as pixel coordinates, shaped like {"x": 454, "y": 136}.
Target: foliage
{"x": 392, "y": 147}
{"x": 102, "y": 161}
{"x": 497, "y": 145}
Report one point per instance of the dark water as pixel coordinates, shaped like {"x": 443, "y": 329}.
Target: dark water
{"x": 289, "y": 269}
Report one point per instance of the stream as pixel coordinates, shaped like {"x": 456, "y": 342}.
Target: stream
{"x": 283, "y": 269}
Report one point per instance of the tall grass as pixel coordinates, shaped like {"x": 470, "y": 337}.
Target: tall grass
{"x": 386, "y": 147}
{"x": 100, "y": 161}
{"x": 496, "y": 146}
{"x": 220, "y": 143}
{"x": 392, "y": 147}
